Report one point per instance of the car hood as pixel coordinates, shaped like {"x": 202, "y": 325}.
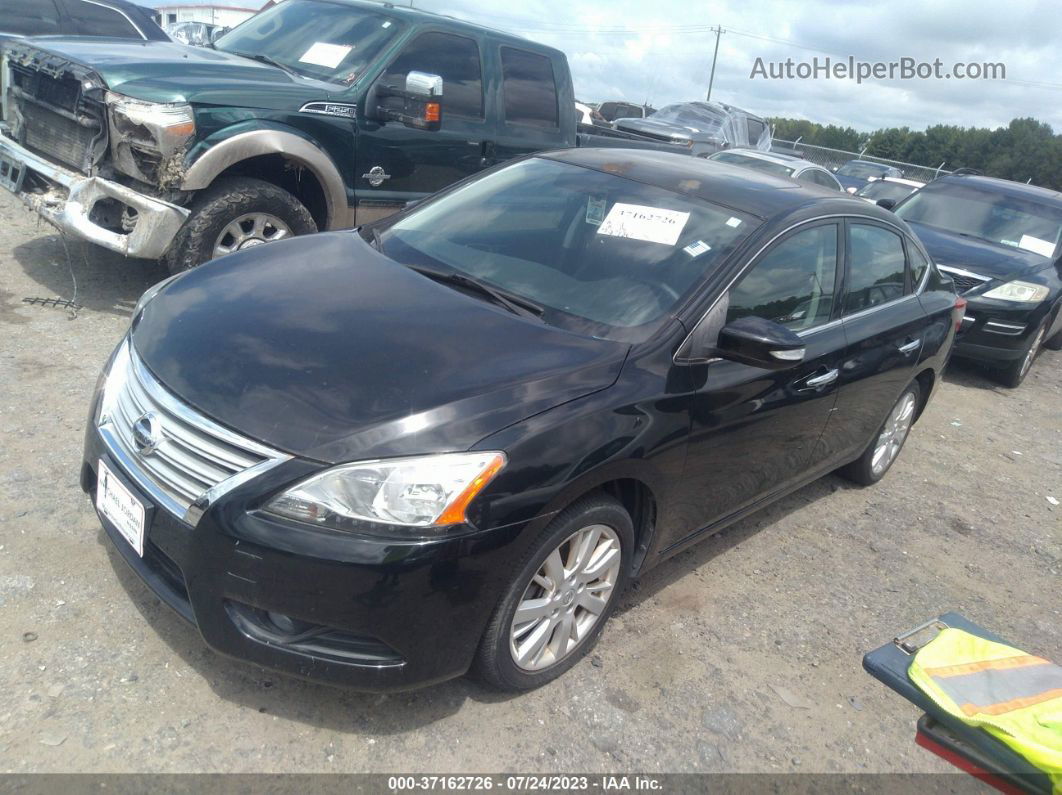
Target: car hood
{"x": 167, "y": 71}
{"x": 977, "y": 256}
{"x": 324, "y": 348}
{"x": 667, "y": 131}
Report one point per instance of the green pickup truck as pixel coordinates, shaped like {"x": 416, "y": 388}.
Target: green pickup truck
{"x": 312, "y": 115}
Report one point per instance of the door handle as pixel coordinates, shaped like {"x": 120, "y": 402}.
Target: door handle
{"x": 819, "y": 381}
{"x": 910, "y": 347}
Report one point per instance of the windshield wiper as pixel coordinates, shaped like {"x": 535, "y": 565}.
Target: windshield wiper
{"x": 516, "y": 304}
{"x": 257, "y": 56}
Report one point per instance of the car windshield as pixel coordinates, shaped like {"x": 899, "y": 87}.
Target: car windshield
{"x": 995, "y": 217}
{"x": 880, "y": 189}
{"x": 767, "y": 166}
{"x": 860, "y": 170}
{"x": 603, "y": 255}
{"x": 319, "y": 39}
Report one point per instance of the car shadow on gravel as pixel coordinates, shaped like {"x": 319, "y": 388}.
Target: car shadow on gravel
{"x": 338, "y": 709}
{"x": 94, "y": 278}
{"x": 964, "y": 372}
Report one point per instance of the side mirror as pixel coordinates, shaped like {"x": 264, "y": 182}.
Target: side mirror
{"x": 418, "y": 105}
{"x": 760, "y": 343}
{"x": 888, "y": 204}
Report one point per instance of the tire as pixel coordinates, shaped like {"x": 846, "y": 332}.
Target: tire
{"x": 1055, "y": 342}
{"x": 495, "y": 662}
{"x": 221, "y": 205}
{"x": 863, "y": 470}
{"x": 1013, "y": 374}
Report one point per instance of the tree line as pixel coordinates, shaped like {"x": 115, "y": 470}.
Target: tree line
{"x": 1024, "y": 149}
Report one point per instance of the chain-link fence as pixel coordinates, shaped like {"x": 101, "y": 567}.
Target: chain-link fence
{"x": 835, "y": 158}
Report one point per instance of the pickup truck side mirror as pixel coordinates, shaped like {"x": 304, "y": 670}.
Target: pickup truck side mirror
{"x": 418, "y": 105}
{"x": 888, "y": 204}
{"x": 760, "y": 343}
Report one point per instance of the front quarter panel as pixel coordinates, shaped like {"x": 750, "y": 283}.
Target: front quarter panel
{"x": 636, "y": 429}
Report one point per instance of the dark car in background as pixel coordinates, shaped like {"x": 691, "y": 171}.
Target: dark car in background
{"x": 854, "y": 174}
{"x": 611, "y": 111}
{"x": 1001, "y": 242}
{"x": 705, "y": 127}
{"x": 447, "y": 440}
{"x": 781, "y": 165}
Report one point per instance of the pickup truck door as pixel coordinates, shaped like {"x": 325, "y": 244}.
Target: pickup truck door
{"x": 536, "y": 110}
{"x": 395, "y": 164}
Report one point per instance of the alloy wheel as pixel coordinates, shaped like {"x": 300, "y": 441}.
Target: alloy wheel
{"x": 1038, "y": 340}
{"x": 566, "y": 598}
{"x": 252, "y": 229}
{"x": 893, "y": 434}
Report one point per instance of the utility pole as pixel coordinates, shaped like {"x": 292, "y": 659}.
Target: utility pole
{"x": 718, "y": 30}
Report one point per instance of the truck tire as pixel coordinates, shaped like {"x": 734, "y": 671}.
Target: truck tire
{"x": 232, "y": 214}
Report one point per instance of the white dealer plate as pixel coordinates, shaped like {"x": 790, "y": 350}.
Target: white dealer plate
{"x": 118, "y": 504}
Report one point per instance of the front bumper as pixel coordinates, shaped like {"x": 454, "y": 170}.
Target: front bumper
{"x": 997, "y": 332}
{"x": 69, "y": 203}
{"x": 400, "y": 615}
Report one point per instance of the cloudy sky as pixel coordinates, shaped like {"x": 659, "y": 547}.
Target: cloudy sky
{"x": 662, "y": 50}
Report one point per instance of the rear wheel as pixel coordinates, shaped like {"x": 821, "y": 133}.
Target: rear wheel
{"x": 234, "y": 214}
{"x": 879, "y": 457}
{"x": 556, "y": 606}
{"x": 1013, "y": 375}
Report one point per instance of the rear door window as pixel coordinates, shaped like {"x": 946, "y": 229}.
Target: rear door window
{"x": 529, "y": 88}
{"x": 876, "y": 267}
{"x": 455, "y": 59}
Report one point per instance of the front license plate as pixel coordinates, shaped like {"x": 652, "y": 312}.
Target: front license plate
{"x": 117, "y": 503}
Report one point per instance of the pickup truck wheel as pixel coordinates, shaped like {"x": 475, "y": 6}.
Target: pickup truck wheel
{"x": 233, "y": 214}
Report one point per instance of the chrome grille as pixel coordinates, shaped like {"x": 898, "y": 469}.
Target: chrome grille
{"x": 191, "y": 460}
{"x": 964, "y": 280}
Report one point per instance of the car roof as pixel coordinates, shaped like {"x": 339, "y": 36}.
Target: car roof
{"x": 746, "y": 190}
{"x": 869, "y": 163}
{"x": 422, "y": 17}
{"x": 1004, "y": 186}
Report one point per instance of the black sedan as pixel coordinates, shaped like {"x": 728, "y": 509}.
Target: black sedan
{"x": 1001, "y": 242}
{"x": 448, "y": 440}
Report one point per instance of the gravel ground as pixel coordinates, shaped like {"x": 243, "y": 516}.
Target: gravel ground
{"x": 742, "y": 654}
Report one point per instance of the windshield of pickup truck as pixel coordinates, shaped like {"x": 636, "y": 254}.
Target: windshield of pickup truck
{"x": 316, "y": 38}
{"x": 759, "y": 164}
{"x": 996, "y": 217}
{"x": 690, "y": 115}
{"x": 599, "y": 253}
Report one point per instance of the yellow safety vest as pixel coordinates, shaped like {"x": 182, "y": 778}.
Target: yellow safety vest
{"x": 1012, "y": 695}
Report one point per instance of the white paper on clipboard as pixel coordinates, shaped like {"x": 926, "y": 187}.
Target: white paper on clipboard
{"x": 324, "y": 54}
{"x": 641, "y": 222}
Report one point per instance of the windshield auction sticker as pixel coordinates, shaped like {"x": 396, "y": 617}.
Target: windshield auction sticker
{"x": 638, "y": 222}
{"x": 327, "y": 55}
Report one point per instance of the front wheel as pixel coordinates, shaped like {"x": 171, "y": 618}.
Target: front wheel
{"x": 555, "y": 608}
{"x": 1013, "y": 375}
{"x": 876, "y": 460}
{"x": 234, "y": 214}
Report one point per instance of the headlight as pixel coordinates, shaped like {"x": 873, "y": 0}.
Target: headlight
{"x": 429, "y": 491}
{"x": 146, "y": 133}
{"x": 1024, "y": 292}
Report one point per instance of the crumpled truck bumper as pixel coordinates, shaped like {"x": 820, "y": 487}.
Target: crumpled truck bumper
{"x": 157, "y": 221}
